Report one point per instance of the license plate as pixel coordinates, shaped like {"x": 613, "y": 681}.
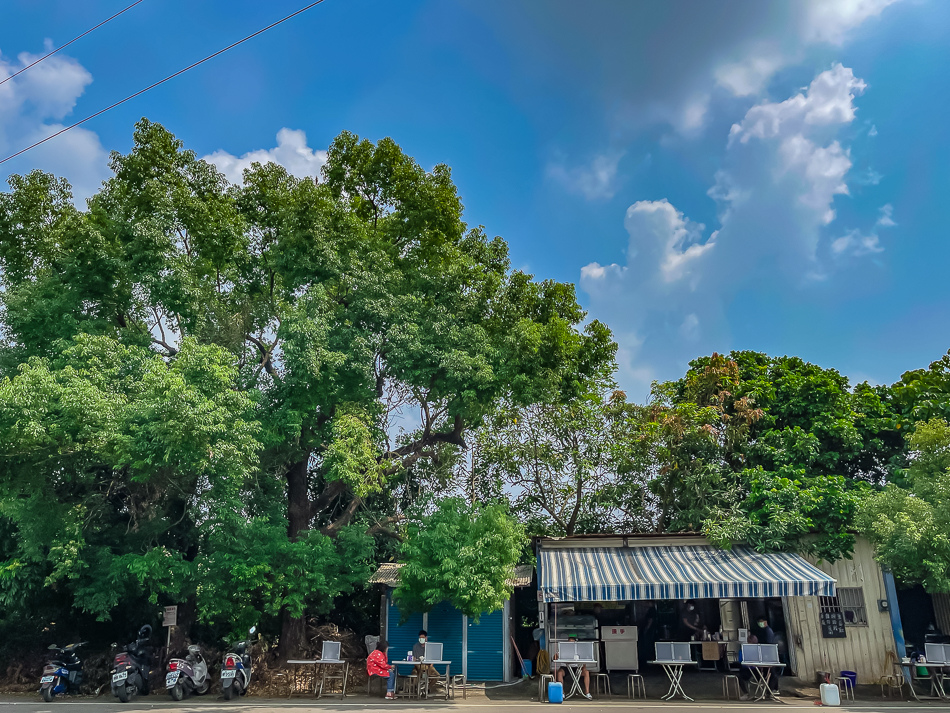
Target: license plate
{"x": 120, "y": 676}
{"x": 47, "y": 679}
{"x": 171, "y": 679}
{"x": 229, "y": 673}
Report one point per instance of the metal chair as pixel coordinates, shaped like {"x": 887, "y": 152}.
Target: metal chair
{"x": 602, "y": 684}
{"x": 846, "y": 686}
{"x": 456, "y": 681}
{"x": 635, "y": 685}
{"x": 543, "y": 680}
{"x": 726, "y": 680}
{"x": 330, "y": 654}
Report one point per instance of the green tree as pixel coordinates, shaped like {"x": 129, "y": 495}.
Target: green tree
{"x": 334, "y": 304}
{"x": 461, "y": 553}
{"x": 910, "y": 527}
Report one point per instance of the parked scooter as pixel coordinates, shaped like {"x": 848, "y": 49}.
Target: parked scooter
{"x": 131, "y": 667}
{"x": 236, "y": 669}
{"x": 188, "y": 675}
{"x": 63, "y": 672}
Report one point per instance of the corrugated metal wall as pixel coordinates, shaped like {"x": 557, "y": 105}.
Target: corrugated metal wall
{"x": 401, "y": 638}
{"x": 865, "y": 648}
{"x": 445, "y": 626}
{"x": 942, "y": 611}
{"x": 486, "y": 648}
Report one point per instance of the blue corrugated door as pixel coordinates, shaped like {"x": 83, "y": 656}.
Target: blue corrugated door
{"x": 485, "y": 652}
{"x": 445, "y": 627}
{"x": 401, "y": 638}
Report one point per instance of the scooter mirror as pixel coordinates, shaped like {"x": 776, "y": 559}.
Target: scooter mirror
{"x": 253, "y": 630}
{"x": 53, "y": 647}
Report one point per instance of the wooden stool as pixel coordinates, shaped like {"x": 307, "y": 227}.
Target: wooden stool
{"x": 846, "y": 686}
{"x": 725, "y": 686}
{"x": 543, "y": 680}
{"x": 635, "y": 685}
{"x": 603, "y": 683}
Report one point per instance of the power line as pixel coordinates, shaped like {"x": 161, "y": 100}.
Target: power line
{"x": 161, "y": 81}
{"x": 78, "y": 37}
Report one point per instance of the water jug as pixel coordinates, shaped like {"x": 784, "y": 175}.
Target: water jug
{"x": 830, "y": 695}
{"x": 555, "y": 693}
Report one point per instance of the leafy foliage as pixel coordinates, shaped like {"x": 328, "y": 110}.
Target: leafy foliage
{"x": 460, "y": 553}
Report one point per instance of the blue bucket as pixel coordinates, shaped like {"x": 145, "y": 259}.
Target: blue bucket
{"x": 852, "y": 676}
{"x": 555, "y": 693}
{"x": 526, "y": 669}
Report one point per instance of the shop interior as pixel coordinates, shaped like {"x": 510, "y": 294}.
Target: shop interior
{"x": 628, "y": 631}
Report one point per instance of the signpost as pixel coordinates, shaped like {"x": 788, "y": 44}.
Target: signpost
{"x": 169, "y": 619}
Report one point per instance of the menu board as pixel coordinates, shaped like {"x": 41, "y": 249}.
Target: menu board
{"x": 832, "y": 625}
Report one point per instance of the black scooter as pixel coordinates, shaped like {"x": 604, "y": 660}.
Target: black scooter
{"x": 63, "y": 673}
{"x": 130, "y": 670}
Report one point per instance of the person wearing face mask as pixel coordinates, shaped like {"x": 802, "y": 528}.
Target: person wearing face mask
{"x": 418, "y": 653}
{"x": 692, "y": 624}
{"x": 767, "y": 636}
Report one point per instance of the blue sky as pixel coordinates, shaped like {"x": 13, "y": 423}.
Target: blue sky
{"x": 753, "y": 175}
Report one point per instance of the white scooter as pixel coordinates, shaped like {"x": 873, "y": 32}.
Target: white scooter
{"x": 188, "y": 675}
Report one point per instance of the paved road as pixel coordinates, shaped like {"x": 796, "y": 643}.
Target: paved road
{"x": 159, "y": 704}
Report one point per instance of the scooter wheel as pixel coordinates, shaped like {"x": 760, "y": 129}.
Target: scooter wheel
{"x": 126, "y": 693}
{"x": 177, "y": 692}
{"x": 229, "y": 692}
{"x": 48, "y": 693}
{"x": 204, "y": 688}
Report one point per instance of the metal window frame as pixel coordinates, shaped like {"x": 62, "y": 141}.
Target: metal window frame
{"x": 852, "y": 599}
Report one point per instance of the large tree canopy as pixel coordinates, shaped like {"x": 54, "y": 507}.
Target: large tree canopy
{"x": 203, "y": 380}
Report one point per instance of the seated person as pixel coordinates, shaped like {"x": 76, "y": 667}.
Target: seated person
{"x": 378, "y": 665}
{"x": 585, "y": 674}
{"x": 418, "y": 654}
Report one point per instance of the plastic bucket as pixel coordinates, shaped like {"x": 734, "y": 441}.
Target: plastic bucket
{"x": 851, "y": 676}
{"x": 526, "y": 669}
{"x": 555, "y": 693}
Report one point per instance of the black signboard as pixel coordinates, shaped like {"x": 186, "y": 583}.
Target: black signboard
{"x": 832, "y": 625}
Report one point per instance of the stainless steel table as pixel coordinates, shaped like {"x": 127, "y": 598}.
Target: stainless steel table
{"x": 322, "y": 664}
{"x": 424, "y": 676}
{"x": 574, "y": 668}
{"x": 674, "y": 671}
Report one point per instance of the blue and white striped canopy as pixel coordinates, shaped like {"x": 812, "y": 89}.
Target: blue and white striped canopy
{"x": 610, "y": 574}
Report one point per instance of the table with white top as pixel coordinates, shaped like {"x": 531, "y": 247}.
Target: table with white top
{"x": 573, "y": 667}
{"x": 674, "y": 672}
{"x": 295, "y": 678}
{"x": 762, "y": 673}
{"x": 423, "y": 675}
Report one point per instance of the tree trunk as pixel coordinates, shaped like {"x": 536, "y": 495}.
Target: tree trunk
{"x": 293, "y": 629}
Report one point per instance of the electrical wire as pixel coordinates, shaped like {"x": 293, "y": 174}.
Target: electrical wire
{"x": 161, "y": 81}
{"x": 78, "y": 37}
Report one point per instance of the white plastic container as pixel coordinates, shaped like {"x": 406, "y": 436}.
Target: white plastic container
{"x": 830, "y": 695}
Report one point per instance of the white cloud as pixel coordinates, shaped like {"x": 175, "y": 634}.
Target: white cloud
{"x": 33, "y": 106}
{"x": 751, "y": 74}
{"x": 829, "y": 100}
{"x": 886, "y": 221}
{"x": 833, "y": 20}
{"x": 291, "y": 152}
{"x": 872, "y": 131}
{"x": 857, "y": 244}
{"x": 782, "y": 170}
{"x": 595, "y": 181}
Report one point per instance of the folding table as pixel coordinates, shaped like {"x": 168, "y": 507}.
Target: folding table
{"x": 674, "y": 656}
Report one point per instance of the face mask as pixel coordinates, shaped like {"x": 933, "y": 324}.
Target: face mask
{"x": 762, "y": 624}
{"x": 422, "y": 639}
{"x": 690, "y": 608}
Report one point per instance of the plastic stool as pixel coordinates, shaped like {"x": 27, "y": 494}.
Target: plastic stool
{"x": 846, "y": 686}
{"x": 725, "y": 686}
{"x": 603, "y": 683}
{"x": 636, "y": 686}
{"x": 543, "y": 679}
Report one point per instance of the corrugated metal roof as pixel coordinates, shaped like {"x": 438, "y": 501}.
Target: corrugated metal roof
{"x": 388, "y": 574}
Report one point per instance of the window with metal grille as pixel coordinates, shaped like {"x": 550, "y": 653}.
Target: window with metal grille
{"x": 851, "y": 600}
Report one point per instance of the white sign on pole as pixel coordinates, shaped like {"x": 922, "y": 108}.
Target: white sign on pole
{"x": 171, "y": 616}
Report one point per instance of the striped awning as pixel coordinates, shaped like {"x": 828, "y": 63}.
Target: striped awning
{"x": 610, "y": 574}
